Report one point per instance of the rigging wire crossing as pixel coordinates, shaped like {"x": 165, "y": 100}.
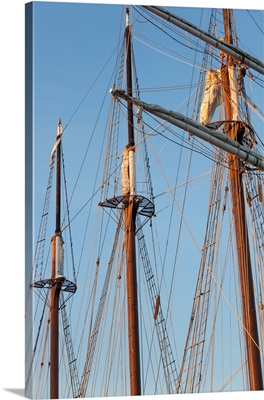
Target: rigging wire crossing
{"x": 216, "y": 138}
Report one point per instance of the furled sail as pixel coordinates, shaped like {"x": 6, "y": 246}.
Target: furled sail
{"x": 233, "y": 92}
{"x": 58, "y": 139}
{"x": 212, "y": 97}
{"x": 125, "y": 172}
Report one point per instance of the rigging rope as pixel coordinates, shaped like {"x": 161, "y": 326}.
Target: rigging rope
{"x": 39, "y": 252}
{"x": 92, "y": 340}
{"x": 160, "y": 321}
{"x": 70, "y": 351}
{"x": 193, "y": 352}
{"x": 90, "y": 88}
{"x": 68, "y": 216}
{"x": 166, "y": 54}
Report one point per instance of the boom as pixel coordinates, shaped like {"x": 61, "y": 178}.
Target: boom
{"x": 227, "y": 48}
{"x": 216, "y": 138}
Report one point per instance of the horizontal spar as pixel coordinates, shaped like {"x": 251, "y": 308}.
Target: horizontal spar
{"x": 227, "y": 48}
{"x": 216, "y": 138}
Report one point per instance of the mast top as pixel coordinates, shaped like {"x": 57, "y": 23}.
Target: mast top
{"x": 59, "y": 129}
{"x": 127, "y": 17}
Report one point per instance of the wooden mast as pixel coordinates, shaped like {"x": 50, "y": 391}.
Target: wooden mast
{"x": 239, "y": 215}
{"x": 56, "y": 287}
{"x": 57, "y": 282}
{"x": 130, "y": 213}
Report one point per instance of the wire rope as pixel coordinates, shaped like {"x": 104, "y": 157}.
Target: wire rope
{"x": 214, "y": 278}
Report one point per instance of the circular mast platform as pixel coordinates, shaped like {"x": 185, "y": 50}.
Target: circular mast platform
{"x": 145, "y": 206}
{"x": 65, "y": 284}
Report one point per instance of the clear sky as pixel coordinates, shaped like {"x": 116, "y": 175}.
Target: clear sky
{"x": 72, "y": 45}
{"x": 67, "y": 91}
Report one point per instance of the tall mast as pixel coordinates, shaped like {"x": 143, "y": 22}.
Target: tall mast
{"x": 132, "y": 204}
{"x": 232, "y": 127}
{"x": 239, "y": 215}
{"x": 57, "y": 282}
{"x": 55, "y": 289}
{"x": 130, "y": 213}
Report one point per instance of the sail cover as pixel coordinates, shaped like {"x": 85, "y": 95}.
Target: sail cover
{"x": 125, "y": 172}
{"x": 233, "y": 92}
{"x": 58, "y": 139}
{"x": 212, "y": 97}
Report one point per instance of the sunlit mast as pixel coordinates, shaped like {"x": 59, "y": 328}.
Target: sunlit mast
{"x": 239, "y": 215}
{"x": 130, "y": 212}
{"x": 236, "y": 152}
{"x": 57, "y": 282}
{"x": 131, "y": 204}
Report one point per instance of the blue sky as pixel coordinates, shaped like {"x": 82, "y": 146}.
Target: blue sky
{"x": 71, "y": 47}
{"x": 13, "y": 113}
